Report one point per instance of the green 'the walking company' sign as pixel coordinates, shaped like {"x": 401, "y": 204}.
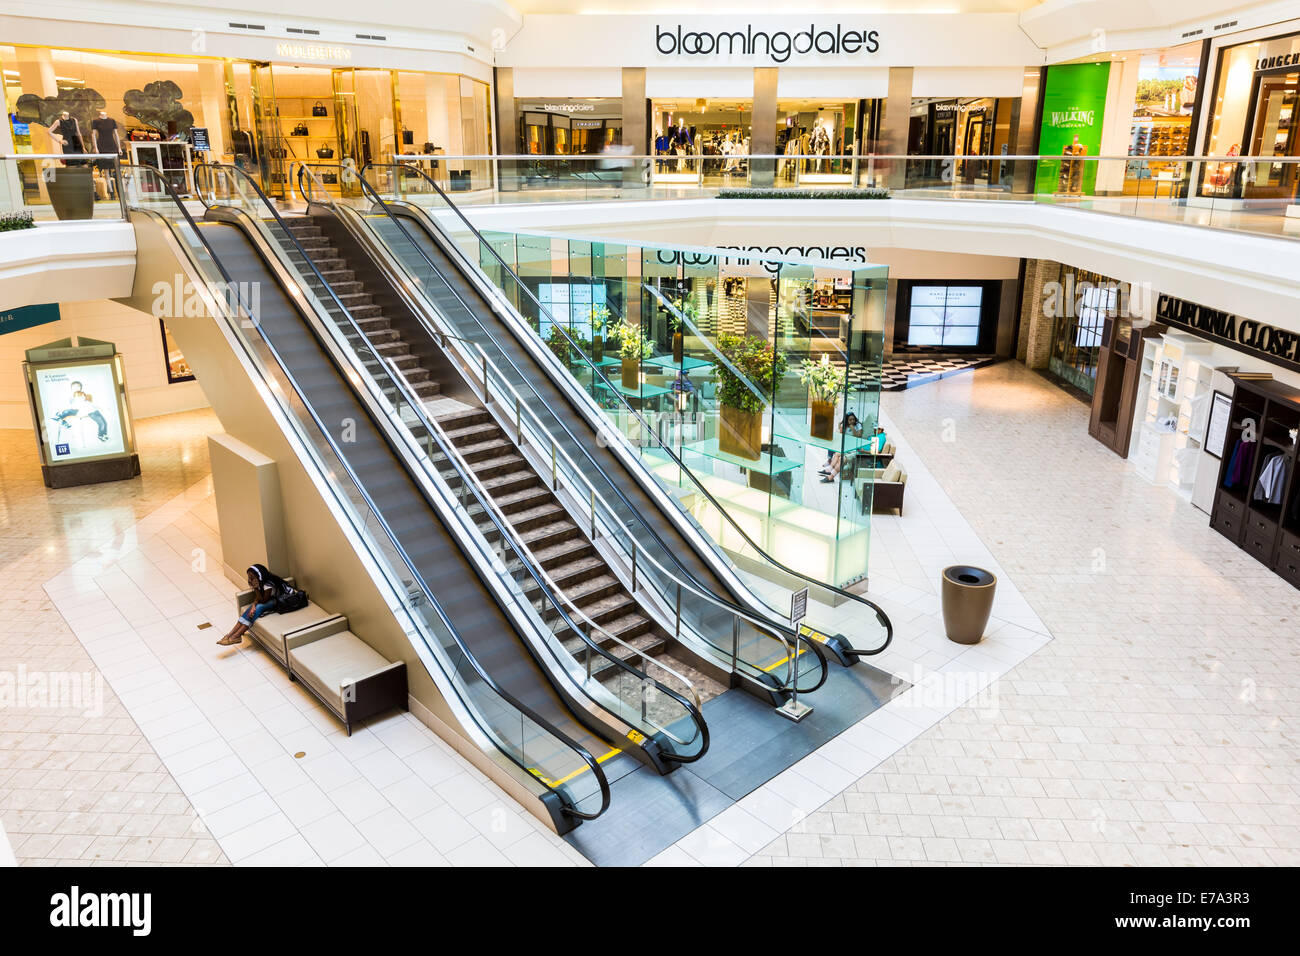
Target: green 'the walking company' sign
{"x": 1074, "y": 104}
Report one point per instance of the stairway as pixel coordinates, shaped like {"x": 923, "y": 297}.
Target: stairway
{"x": 378, "y": 330}
{"x": 559, "y": 545}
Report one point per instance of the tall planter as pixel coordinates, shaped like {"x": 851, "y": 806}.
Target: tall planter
{"x": 631, "y": 374}
{"x": 72, "y": 192}
{"x": 597, "y": 349}
{"x": 740, "y": 433}
{"x": 823, "y": 420}
{"x": 677, "y": 347}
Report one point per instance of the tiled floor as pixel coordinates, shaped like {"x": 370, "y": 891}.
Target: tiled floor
{"x": 1153, "y": 729}
{"x": 1157, "y": 728}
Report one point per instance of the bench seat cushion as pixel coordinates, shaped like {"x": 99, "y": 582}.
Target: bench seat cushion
{"x": 331, "y": 663}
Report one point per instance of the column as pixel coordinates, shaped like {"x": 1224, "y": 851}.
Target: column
{"x": 1117, "y": 125}
{"x": 1024, "y": 136}
{"x": 762, "y": 134}
{"x": 636, "y": 131}
{"x": 1036, "y": 321}
{"x": 896, "y": 115}
{"x": 507, "y": 127}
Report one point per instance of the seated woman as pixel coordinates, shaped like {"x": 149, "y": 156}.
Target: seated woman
{"x": 271, "y": 594}
{"x": 835, "y": 460}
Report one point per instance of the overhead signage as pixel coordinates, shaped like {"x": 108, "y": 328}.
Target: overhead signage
{"x": 1277, "y": 62}
{"x": 777, "y": 45}
{"x": 313, "y": 51}
{"x": 1279, "y": 346}
{"x": 1074, "y": 105}
{"x": 676, "y": 257}
{"x": 28, "y": 317}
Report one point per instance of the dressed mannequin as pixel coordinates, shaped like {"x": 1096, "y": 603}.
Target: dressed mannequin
{"x": 107, "y": 140}
{"x": 66, "y": 132}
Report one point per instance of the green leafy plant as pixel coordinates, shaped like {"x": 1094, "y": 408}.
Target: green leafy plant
{"x": 825, "y": 380}
{"x": 12, "y": 221}
{"x": 599, "y": 316}
{"x": 868, "y": 192}
{"x": 631, "y": 344}
{"x": 557, "y": 343}
{"x": 753, "y": 363}
{"x": 683, "y": 308}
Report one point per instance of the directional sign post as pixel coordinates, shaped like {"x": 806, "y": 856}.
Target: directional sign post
{"x": 792, "y": 709}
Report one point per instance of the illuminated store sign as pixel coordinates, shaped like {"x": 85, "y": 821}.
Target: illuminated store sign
{"x": 1266, "y": 341}
{"x": 310, "y": 51}
{"x": 777, "y": 45}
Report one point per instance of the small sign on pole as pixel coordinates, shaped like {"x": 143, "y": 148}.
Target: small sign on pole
{"x": 798, "y": 606}
{"x": 792, "y": 709}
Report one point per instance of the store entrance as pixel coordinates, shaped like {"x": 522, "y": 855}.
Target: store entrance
{"x": 1274, "y": 134}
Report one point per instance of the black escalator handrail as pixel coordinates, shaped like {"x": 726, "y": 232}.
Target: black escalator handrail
{"x": 418, "y": 578}
{"x": 436, "y": 433}
{"x": 881, "y": 616}
{"x": 772, "y": 625}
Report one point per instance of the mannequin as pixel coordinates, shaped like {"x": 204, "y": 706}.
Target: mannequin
{"x": 107, "y": 140}
{"x": 66, "y": 131}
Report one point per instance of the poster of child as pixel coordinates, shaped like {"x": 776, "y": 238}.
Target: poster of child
{"x": 80, "y": 403}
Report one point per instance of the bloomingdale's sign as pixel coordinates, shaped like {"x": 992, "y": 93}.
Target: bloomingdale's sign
{"x": 778, "y": 45}
{"x": 1279, "y": 346}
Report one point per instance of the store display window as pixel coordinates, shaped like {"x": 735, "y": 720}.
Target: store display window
{"x": 1256, "y": 100}
{"x": 1162, "y": 119}
{"x": 958, "y": 127}
{"x": 178, "y": 370}
{"x": 831, "y": 132}
{"x": 569, "y": 126}
{"x": 1088, "y": 301}
{"x": 701, "y": 138}
{"x": 937, "y": 316}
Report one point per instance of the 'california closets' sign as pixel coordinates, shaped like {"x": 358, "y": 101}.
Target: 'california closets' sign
{"x": 1279, "y": 346}
{"x": 776, "y": 45}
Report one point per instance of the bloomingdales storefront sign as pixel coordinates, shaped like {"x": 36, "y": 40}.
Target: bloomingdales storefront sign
{"x": 777, "y": 45}
{"x": 1279, "y": 346}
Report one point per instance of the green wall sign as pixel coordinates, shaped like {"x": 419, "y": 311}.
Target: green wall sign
{"x": 1074, "y": 104}
{"x": 28, "y": 317}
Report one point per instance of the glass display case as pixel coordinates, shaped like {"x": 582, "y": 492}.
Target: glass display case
{"x": 748, "y": 383}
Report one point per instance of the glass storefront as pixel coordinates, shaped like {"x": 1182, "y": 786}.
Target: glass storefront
{"x": 1087, "y": 301}
{"x": 259, "y": 116}
{"x": 830, "y": 131}
{"x": 569, "y": 127}
{"x": 703, "y": 137}
{"x": 1255, "y": 114}
{"x": 1162, "y": 119}
{"x": 971, "y": 126}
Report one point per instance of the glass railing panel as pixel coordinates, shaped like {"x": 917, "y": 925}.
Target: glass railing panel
{"x": 48, "y": 187}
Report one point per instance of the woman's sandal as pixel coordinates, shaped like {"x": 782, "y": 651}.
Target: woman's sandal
{"x": 228, "y": 641}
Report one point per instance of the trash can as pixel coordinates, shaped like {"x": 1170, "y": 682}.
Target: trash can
{"x": 967, "y": 602}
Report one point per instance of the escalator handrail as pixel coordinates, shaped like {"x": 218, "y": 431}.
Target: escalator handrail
{"x": 438, "y": 434}
{"x": 881, "y": 616}
{"x": 537, "y": 719}
{"x": 782, "y": 632}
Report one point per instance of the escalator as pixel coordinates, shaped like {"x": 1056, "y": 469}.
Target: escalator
{"x": 420, "y": 241}
{"x": 694, "y": 625}
{"x": 515, "y": 681}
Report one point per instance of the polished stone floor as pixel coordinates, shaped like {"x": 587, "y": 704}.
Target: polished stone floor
{"x": 1157, "y": 728}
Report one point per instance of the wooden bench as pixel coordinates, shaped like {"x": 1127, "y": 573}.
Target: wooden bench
{"x": 343, "y": 672}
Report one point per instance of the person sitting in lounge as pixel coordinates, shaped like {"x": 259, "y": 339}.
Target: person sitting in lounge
{"x": 835, "y": 460}
{"x": 271, "y": 594}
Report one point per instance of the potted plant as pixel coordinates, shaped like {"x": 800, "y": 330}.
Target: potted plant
{"x": 752, "y": 371}
{"x": 558, "y": 344}
{"x": 599, "y": 316}
{"x": 632, "y": 348}
{"x": 683, "y": 308}
{"x": 825, "y": 382}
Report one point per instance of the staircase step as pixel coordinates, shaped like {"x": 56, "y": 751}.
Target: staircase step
{"x": 522, "y": 500}
{"x": 502, "y": 465}
{"x": 546, "y": 510}
{"x": 481, "y": 451}
{"x": 544, "y": 536}
{"x": 560, "y": 552}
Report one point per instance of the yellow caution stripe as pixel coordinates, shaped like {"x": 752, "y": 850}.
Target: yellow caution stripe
{"x": 581, "y": 770}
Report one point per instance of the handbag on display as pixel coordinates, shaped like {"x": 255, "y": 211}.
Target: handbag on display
{"x": 319, "y": 109}
{"x": 325, "y": 152}
{"x": 299, "y": 129}
{"x": 279, "y": 152}
{"x": 329, "y": 179}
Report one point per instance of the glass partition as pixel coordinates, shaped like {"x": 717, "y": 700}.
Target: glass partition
{"x": 760, "y": 375}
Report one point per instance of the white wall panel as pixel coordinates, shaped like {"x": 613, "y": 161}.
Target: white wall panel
{"x": 967, "y": 81}
{"x": 576, "y": 81}
{"x": 730, "y": 82}
{"x": 832, "y": 82}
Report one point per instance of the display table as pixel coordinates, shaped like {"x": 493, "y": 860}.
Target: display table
{"x": 687, "y": 364}
{"x": 767, "y": 463}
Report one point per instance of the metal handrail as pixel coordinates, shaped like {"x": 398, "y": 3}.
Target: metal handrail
{"x": 417, "y": 577}
{"x": 627, "y": 408}
{"x": 993, "y": 157}
{"x": 432, "y": 428}
{"x": 611, "y": 518}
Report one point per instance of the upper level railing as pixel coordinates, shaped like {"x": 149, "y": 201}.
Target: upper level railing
{"x": 1250, "y": 194}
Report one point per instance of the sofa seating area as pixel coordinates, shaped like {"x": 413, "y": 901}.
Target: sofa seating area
{"x": 887, "y": 487}
{"x": 343, "y": 672}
